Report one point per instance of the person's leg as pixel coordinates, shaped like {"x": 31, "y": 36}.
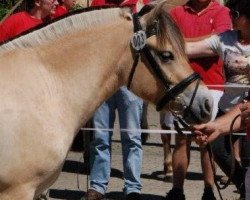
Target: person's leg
{"x": 166, "y": 121}
{"x": 181, "y": 158}
{"x": 144, "y": 123}
{"x": 245, "y": 152}
{"x": 247, "y": 183}
{"x": 100, "y": 150}
{"x": 208, "y": 175}
{"x": 180, "y": 161}
{"x": 237, "y": 149}
{"x": 205, "y": 160}
{"x": 130, "y": 112}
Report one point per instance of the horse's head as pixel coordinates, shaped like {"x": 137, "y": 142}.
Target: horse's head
{"x": 162, "y": 74}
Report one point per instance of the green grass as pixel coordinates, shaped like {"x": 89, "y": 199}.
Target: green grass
{"x": 5, "y": 6}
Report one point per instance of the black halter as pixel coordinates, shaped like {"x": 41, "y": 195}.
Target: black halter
{"x": 139, "y": 45}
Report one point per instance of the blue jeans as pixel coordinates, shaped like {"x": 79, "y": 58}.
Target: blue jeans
{"x": 129, "y": 109}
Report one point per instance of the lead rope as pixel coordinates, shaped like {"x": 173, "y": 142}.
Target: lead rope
{"x": 211, "y": 157}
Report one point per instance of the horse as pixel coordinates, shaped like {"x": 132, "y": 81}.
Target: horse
{"x": 54, "y": 78}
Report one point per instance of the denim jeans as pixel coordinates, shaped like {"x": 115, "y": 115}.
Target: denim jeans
{"x": 129, "y": 109}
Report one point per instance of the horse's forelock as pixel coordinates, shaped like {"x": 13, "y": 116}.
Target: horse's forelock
{"x": 167, "y": 30}
{"x": 171, "y": 33}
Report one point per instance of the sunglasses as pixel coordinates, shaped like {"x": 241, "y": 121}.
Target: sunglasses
{"x": 234, "y": 14}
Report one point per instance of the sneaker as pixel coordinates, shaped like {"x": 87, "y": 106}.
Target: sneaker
{"x": 208, "y": 194}
{"x": 93, "y": 195}
{"x": 133, "y": 196}
{"x": 175, "y": 194}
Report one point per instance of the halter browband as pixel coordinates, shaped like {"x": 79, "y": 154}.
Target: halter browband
{"x": 171, "y": 93}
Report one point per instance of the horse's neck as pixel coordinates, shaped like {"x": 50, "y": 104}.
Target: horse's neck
{"x": 90, "y": 65}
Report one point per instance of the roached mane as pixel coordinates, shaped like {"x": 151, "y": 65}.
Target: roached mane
{"x": 81, "y": 19}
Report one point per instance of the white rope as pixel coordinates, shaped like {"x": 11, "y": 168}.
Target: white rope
{"x": 230, "y": 86}
{"x": 151, "y": 131}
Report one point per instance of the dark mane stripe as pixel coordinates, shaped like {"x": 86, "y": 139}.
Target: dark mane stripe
{"x": 168, "y": 31}
{"x": 78, "y": 11}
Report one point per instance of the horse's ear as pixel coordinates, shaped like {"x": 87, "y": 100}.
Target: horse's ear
{"x": 139, "y": 5}
{"x": 126, "y": 13}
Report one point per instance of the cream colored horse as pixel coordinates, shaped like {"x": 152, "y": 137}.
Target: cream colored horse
{"x": 51, "y": 87}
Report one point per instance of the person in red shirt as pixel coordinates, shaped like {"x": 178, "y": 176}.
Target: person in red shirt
{"x": 199, "y": 19}
{"x": 63, "y": 8}
{"x": 126, "y": 3}
{"x": 38, "y": 12}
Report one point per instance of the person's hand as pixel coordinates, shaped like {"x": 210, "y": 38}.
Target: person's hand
{"x": 205, "y": 133}
{"x": 245, "y": 113}
{"x": 200, "y": 138}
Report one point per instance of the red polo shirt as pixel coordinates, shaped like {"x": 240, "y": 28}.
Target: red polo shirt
{"x": 16, "y": 24}
{"x": 128, "y": 3}
{"x": 214, "y": 19}
{"x": 60, "y": 11}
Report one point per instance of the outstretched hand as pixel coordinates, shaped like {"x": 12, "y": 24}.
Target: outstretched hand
{"x": 205, "y": 133}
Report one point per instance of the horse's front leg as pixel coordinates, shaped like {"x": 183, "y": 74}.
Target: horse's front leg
{"x": 166, "y": 121}
{"x": 167, "y": 162}
{"x": 20, "y": 192}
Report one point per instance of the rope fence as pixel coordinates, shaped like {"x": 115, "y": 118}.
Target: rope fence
{"x": 151, "y": 131}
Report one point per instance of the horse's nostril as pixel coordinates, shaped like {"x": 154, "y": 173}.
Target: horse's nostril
{"x": 207, "y": 106}
{"x": 206, "y": 109}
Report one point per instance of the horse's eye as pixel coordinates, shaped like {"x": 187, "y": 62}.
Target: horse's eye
{"x": 166, "y": 56}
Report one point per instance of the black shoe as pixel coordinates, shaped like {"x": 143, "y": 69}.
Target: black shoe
{"x": 242, "y": 191}
{"x": 133, "y": 196}
{"x": 93, "y": 195}
{"x": 175, "y": 194}
{"x": 208, "y": 194}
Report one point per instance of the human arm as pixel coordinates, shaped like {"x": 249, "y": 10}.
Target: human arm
{"x": 245, "y": 114}
{"x": 210, "y": 131}
{"x": 199, "y": 49}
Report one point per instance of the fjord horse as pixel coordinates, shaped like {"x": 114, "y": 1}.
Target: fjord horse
{"x": 54, "y": 78}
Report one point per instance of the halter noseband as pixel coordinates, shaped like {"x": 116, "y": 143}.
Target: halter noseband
{"x": 139, "y": 44}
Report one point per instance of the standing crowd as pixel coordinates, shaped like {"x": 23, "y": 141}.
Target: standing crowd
{"x": 218, "y": 46}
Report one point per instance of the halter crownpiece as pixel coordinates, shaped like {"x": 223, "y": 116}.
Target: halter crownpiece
{"x": 139, "y": 44}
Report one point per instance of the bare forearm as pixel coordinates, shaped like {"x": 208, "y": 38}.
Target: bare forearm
{"x": 198, "y": 49}
{"x": 224, "y": 122}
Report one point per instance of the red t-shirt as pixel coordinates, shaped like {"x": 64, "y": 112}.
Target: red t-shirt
{"x": 128, "y": 3}
{"x": 16, "y": 24}
{"x": 60, "y": 11}
{"x": 212, "y": 20}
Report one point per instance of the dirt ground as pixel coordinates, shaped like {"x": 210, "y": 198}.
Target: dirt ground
{"x": 73, "y": 181}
